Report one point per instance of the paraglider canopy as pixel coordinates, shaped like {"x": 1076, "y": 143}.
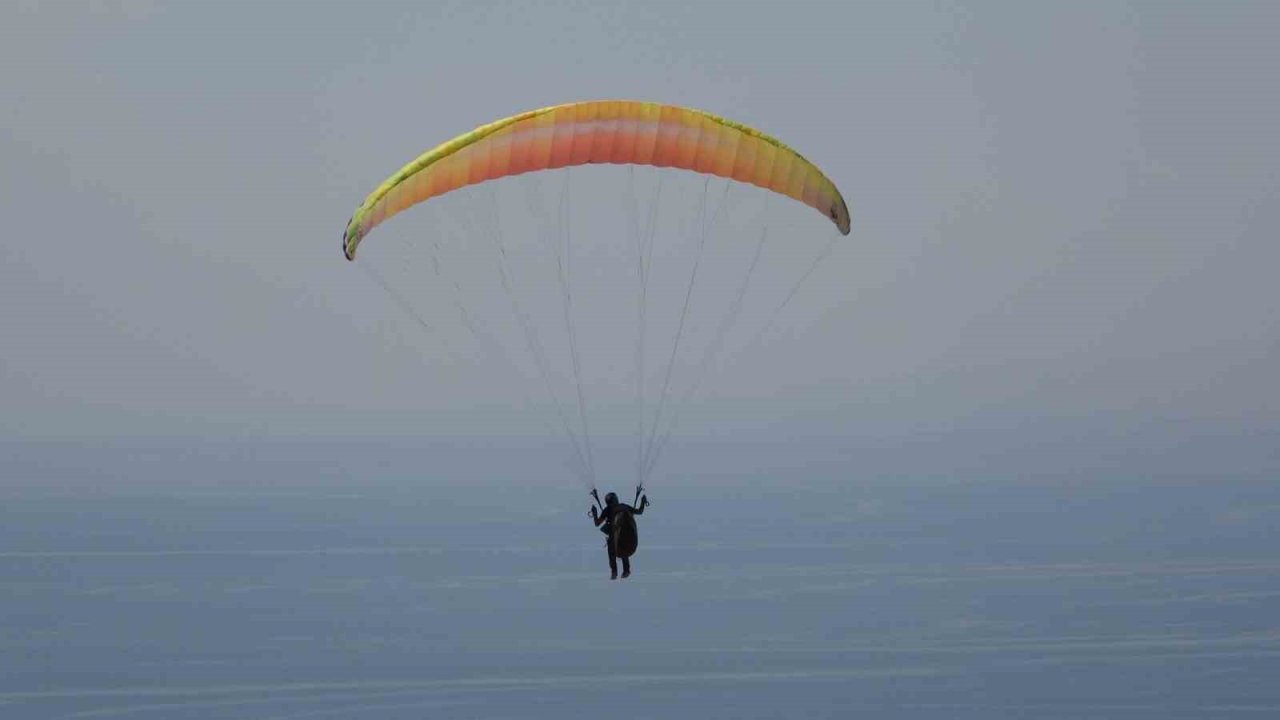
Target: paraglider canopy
{"x": 619, "y": 132}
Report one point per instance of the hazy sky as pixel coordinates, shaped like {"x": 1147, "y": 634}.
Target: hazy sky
{"x": 1062, "y": 212}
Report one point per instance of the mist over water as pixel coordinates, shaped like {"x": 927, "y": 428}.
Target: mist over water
{"x": 312, "y": 580}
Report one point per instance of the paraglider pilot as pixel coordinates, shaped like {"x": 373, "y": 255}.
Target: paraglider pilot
{"x": 617, "y": 521}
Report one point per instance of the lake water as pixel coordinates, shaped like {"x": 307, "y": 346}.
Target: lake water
{"x": 295, "y": 582}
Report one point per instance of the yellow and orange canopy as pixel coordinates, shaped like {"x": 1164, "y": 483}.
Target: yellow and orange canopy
{"x": 620, "y": 132}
